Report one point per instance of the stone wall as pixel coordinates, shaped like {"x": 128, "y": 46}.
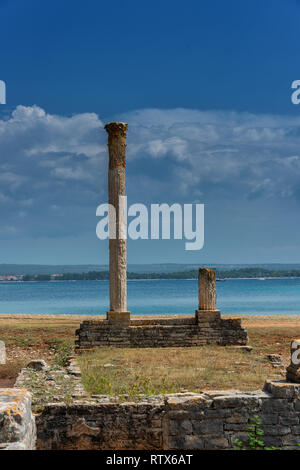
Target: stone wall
{"x": 17, "y": 424}
{"x": 209, "y": 421}
{"x": 101, "y": 426}
{"x": 207, "y": 328}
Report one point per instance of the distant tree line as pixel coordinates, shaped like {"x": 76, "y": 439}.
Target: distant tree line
{"x": 193, "y": 274}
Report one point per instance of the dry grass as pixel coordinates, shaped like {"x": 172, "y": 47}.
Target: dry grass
{"x": 153, "y": 370}
{"x": 156, "y": 371}
{"x": 32, "y": 337}
{"x": 168, "y": 370}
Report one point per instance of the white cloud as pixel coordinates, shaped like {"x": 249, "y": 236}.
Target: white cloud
{"x": 71, "y": 173}
{"x": 231, "y": 149}
{"x": 50, "y": 161}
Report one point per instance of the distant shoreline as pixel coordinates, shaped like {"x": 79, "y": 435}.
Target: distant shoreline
{"x": 258, "y": 273}
{"x": 147, "y": 279}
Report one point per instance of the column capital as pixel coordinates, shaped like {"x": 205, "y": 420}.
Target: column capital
{"x": 116, "y": 128}
{"x": 116, "y": 144}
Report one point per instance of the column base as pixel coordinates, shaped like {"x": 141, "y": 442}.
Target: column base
{"x": 204, "y": 316}
{"x": 118, "y": 318}
{"x": 293, "y": 374}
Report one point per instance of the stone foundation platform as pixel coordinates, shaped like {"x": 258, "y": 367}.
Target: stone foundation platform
{"x": 206, "y": 327}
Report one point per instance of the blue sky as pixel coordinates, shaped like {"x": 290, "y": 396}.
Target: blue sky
{"x": 206, "y": 90}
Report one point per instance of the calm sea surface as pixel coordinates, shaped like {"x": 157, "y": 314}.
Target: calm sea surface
{"x": 242, "y": 296}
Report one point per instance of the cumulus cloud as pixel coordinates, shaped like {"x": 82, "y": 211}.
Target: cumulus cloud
{"x": 48, "y": 161}
{"x": 53, "y": 169}
{"x": 256, "y": 155}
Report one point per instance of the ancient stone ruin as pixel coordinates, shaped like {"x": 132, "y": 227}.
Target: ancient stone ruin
{"x": 119, "y": 329}
{"x": 205, "y": 327}
{"x": 209, "y": 420}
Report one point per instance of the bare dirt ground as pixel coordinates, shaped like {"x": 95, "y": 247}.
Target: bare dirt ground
{"x": 30, "y": 337}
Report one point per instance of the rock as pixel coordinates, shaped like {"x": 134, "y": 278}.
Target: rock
{"x": 73, "y": 369}
{"x": 274, "y": 358}
{"x": 2, "y": 353}
{"x": 17, "y": 424}
{"x": 80, "y": 428}
{"x": 246, "y": 348}
{"x": 38, "y": 364}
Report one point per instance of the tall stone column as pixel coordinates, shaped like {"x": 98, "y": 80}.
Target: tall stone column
{"x": 117, "y": 244}
{"x": 207, "y": 295}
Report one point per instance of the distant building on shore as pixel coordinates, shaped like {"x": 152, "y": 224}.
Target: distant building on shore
{"x": 11, "y": 278}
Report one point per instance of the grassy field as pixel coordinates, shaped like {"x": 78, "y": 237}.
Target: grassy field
{"x": 134, "y": 371}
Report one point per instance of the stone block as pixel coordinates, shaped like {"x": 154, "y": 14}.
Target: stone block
{"x": 236, "y": 427}
{"x": 236, "y": 401}
{"x": 281, "y": 406}
{"x": 208, "y": 427}
{"x": 118, "y": 318}
{"x": 17, "y": 424}
{"x": 216, "y": 443}
{"x": 282, "y": 389}
{"x": 289, "y": 421}
{"x": 277, "y": 430}
{"x": 238, "y": 418}
{"x": 2, "y": 353}
{"x": 181, "y": 426}
{"x": 270, "y": 418}
{"x": 296, "y": 430}
{"x": 290, "y": 440}
{"x": 207, "y": 316}
{"x": 37, "y": 364}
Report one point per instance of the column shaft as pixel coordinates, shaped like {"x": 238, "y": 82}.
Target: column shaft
{"x": 207, "y": 289}
{"x": 116, "y": 188}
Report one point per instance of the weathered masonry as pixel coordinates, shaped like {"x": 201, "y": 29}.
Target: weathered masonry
{"x": 119, "y": 329}
{"x": 205, "y": 327}
{"x": 208, "y": 421}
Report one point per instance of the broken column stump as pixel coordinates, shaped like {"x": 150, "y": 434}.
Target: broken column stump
{"x": 207, "y": 296}
{"x": 208, "y": 317}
